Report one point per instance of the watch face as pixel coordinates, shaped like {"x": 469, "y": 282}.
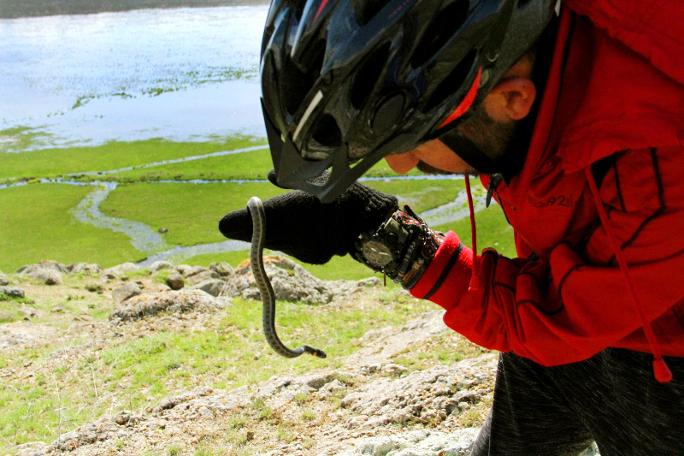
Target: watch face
{"x": 376, "y": 253}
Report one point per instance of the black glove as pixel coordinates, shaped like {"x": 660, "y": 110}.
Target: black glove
{"x": 298, "y": 224}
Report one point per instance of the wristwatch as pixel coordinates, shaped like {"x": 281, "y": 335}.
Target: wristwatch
{"x": 402, "y": 247}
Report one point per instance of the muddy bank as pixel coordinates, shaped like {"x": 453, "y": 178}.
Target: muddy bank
{"x": 10, "y": 9}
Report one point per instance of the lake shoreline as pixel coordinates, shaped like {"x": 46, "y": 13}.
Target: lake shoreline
{"x": 14, "y": 9}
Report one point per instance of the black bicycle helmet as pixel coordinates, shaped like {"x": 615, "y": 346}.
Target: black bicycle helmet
{"x": 347, "y": 82}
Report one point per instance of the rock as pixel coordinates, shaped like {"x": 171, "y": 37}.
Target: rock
{"x": 31, "y": 449}
{"x": 28, "y": 312}
{"x": 203, "y": 276}
{"x": 3, "y": 279}
{"x": 290, "y": 281}
{"x": 417, "y": 443}
{"x": 341, "y": 288}
{"x": 125, "y": 291}
{"x": 205, "y": 412}
{"x": 317, "y": 381}
{"x": 184, "y": 269}
{"x": 85, "y": 268}
{"x": 13, "y": 292}
{"x": 67, "y": 442}
{"x": 393, "y": 370}
{"x": 162, "y": 230}
{"x": 47, "y": 276}
{"x": 424, "y": 396}
{"x": 223, "y": 269}
{"x": 160, "y": 266}
{"x": 49, "y": 265}
{"x": 175, "y": 281}
{"x": 122, "y": 418}
{"x": 149, "y": 304}
{"x": 192, "y": 271}
{"x": 213, "y": 287}
{"x": 331, "y": 388}
{"x": 121, "y": 270}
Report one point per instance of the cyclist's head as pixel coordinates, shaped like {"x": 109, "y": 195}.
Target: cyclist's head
{"x": 347, "y": 82}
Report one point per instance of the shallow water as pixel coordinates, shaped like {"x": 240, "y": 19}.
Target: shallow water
{"x": 176, "y": 73}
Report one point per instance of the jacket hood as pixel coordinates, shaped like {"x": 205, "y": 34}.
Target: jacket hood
{"x": 602, "y": 94}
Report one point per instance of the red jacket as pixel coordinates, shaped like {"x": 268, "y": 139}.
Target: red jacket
{"x": 615, "y": 90}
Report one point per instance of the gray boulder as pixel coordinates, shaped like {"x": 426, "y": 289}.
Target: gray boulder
{"x": 85, "y": 268}
{"x": 202, "y": 276}
{"x": 175, "y": 281}
{"x": 13, "y": 292}
{"x": 214, "y": 287}
{"x": 160, "y": 266}
{"x": 121, "y": 270}
{"x": 44, "y": 265}
{"x": 189, "y": 271}
{"x": 290, "y": 281}
{"x": 125, "y": 291}
{"x": 149, "y": 304}
{"x": 46, "y": 276}
{"x": 223, "y": 269}
{"x": 421, "y": 442}
{"x": 3, "y": 279}
{"x": 429, "y": 396}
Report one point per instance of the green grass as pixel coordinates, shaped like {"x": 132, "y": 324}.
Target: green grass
{"x": 112, "y": 155}
{"x": 492, "y": 231}
{"x": 248, "y": 165}
{"x": 191, "y": 212}
{"x": 141, "y": 371}
{"x": 232, "y": 258}
{"x": 446, "y": 348}
{"x": 37, "y": 224}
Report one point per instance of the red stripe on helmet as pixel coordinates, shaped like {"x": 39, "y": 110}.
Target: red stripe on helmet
{"x": 467, "y": 102}
{"x": 320, "y": 9}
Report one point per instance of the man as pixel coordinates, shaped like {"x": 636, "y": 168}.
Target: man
{"x": 576, "y": 126}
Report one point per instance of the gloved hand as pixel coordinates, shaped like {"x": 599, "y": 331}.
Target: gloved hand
{"x": 298, "y": 224}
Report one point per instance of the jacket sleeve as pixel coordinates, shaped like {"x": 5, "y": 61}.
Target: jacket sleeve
{"x": 576, "y": 302}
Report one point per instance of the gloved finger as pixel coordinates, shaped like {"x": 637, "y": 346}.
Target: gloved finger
{"x": 237, "y": 225}
{"x": 272, "y": 178}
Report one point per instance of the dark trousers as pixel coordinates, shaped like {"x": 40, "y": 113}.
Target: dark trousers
{"x": 611, "y": 398}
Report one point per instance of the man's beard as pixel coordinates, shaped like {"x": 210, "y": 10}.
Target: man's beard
{"x": 491, "y": 137}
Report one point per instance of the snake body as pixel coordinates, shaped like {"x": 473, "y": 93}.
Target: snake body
{"x": 256, "y": 210}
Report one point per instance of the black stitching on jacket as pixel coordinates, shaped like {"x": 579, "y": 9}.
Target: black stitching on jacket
{"x": 445, "y": 272}
{"x": 661, "y": 201}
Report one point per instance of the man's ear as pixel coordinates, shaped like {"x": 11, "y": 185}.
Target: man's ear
{"x": 511, "y": 99}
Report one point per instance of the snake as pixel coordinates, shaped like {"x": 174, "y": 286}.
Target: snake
{"x": 256, "y": 209}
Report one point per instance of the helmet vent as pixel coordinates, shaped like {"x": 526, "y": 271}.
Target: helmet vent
{"x": 365, "y": 10}
{"x": 296, "y": 82}
{"x": 367, "y": 76}
{"x": 453, "y": 82}
{"x": 326, "y": 133}
{"x": 443, "y": 27}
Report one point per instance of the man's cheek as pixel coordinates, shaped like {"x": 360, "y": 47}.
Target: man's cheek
{"x": 402, "y": 163}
